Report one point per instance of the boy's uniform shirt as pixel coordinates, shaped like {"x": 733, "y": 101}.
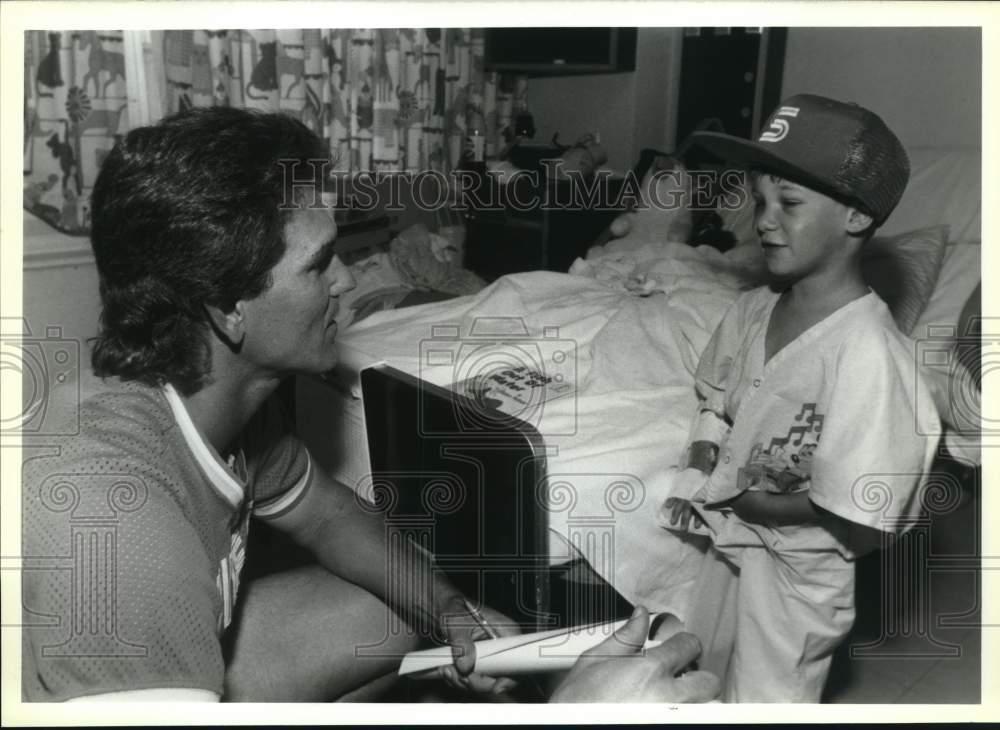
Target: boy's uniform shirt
{"x": 133, "y": 541}
{"x": 840, "y": 412}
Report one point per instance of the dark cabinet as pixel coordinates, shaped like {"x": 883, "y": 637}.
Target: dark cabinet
{"x": 560, "y": 51}
{"x": 732, "y": 75}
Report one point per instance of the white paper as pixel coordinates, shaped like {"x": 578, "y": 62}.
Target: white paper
{"x": 544, "y": 651}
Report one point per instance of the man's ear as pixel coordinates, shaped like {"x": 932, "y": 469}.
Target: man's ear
{"x": 229, "y": 326}
{"x": 858, "y": 222}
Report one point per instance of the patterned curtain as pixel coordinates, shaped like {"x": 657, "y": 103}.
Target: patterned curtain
{"x": 383, "y": 99}
{"x": 75, "y": 105}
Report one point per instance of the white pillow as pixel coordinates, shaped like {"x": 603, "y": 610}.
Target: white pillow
{"x": 960, "y": 273}
{"x": 903, "y": 270}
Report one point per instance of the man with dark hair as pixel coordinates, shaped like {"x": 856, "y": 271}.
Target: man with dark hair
{"x": 189, "y": 217}
{"x": 219, "y": 279}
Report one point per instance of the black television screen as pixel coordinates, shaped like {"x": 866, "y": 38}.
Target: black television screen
{"x": 464, "y": 481}
{"x": 560, "y": 50}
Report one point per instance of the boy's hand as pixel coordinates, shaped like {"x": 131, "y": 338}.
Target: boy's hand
{"x": 682, "y": 513}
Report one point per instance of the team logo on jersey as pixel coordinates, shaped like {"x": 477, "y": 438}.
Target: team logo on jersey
{"x": 230, "y": 567}
{"x": 786, "y": 464}
{"x": 778, "y": 129}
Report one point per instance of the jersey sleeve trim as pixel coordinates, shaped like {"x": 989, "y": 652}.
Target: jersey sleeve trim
{"x": 279, "y": 505}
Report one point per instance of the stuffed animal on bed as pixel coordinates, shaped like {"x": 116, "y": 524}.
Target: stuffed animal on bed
{"x": 417, "y": 260}
{"x": 428, "y": 260}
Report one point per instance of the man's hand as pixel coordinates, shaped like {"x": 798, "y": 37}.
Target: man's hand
{"x": 462, "y": 629}
{"x": 682, "y": 513}
{"x": 617, "y": 670}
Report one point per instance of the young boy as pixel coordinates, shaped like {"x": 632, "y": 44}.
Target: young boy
{"x": 808, "y": 446}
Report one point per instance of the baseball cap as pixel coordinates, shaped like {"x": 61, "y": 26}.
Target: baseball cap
{"x": 840, "y": 149}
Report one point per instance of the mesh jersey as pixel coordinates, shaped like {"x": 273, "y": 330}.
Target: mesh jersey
{"x": 133, "y": 537}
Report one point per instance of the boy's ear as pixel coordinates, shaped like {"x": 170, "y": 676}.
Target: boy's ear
{"x": 857, "y": 222}
{"x": 231, "y": 325}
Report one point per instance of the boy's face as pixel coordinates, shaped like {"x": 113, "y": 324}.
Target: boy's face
{"x": 291, "y": 326}
{"x": 801, "y": 231}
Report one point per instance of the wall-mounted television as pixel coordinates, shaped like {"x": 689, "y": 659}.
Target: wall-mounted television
{"x": 553, "y": 51}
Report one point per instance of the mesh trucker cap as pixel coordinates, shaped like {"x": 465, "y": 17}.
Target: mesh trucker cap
{"x": 837, "y": 148}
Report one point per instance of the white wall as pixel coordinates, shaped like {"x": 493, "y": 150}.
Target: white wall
{"x": 657, "y": 88}
{"x": 907, "y": 75}
{"x": 574, "y": 105}
{"x": 61, "y": 307}
{"x": 924, "y": 82}
{"x": 630, "y": 110}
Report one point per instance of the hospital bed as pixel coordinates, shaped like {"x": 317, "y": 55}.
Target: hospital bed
{"x": 625, "y": 329}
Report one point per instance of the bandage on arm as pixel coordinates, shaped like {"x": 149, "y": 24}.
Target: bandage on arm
{"x": 700, "y": 456}
{"x": 703, "y": 456}
{"x": 707, "y": 433}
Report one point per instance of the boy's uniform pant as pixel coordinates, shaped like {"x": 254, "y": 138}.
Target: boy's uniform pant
{"x": 769, "y": 622}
